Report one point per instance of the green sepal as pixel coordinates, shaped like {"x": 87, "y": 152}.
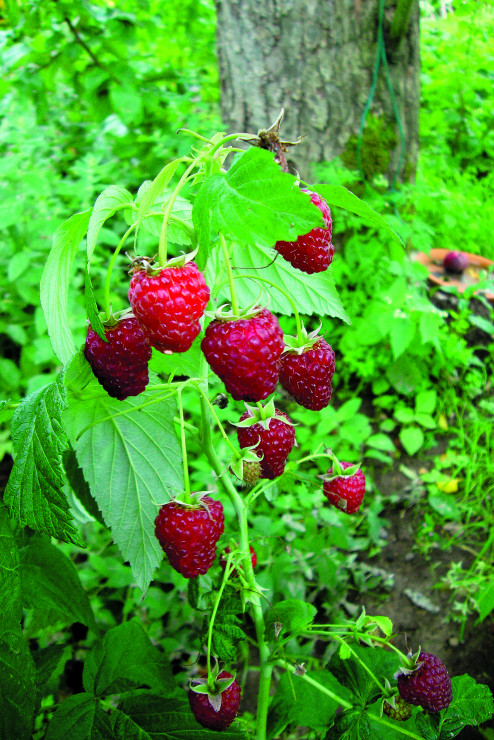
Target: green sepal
{"x": 295, "y": 345}
{"x": 262, "y": 416}
{"x": 338, "y": 470}
{"x": 246, "y": 454}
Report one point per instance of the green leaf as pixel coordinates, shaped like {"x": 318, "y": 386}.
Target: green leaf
{"x": 301, "y": 704}
{"x": 152, "y": 193}
{"x": 289, "y": 617}
{"x": 50, "y": 585}
{"x": 46, "y": 661}
{"x": 55, "y": 282}
{"x": 351, "y": 674}
{"x": 178, "y": 363}
{"x": 425, "y": 402}
{"x": 34, "y": 492}
{"x": 401, "y": 334}
{"x": 445, "y": 505}
{"x": 10, "y": 580}
{"x": 403, "y": 375}
{"x": 316, "y": 294}
{"x": 472, "y": 702}
{"x": 126, "y": 101}
{"x": 381, "y": 442}
{"x": 80, "y": 716}
{"x": 485, "y": 600}
{"x": 168, "y": 719}
{"x": 412, "y": 439}
{"x": 126, "y": 659}
{"x": 253, "y": 203}
{"x": 79, "y": 486}
{"x": 17, "y": 688}
{"x": 351, "y": 725}
{"x": 131, "y": 459}
{"x": 337, "y": 195}
{"x": 91, "y": 305}
{"x": 106, "y": 205}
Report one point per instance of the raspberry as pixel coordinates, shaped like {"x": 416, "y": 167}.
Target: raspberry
{"x": 252, "y": 472}
{"x": 401, "y": 710}
{"x": 312, "y": 252}
{"x": 189, "y": 535}
{"x": 244, "y": 353}
{"x": 275, "y": 443}
{"x": 169, "y": 305}
{"x": 455, "y": 262}
{"x": 428, "y": 686}
{"x": 234, "y": 574}
{"x": 205, "y": 713}
{"x": 307, "y": 376}
{"x": 345, "y": 491}
{"x": 121, "y": 364}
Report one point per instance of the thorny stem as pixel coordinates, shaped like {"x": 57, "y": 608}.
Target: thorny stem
{"x": 265, "y": 669}
{"x": 226, "y": 256}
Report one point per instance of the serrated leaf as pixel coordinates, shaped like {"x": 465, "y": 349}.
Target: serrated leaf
{"x": 254, "y": 202}
{"x": 152, "y": 193}
{"x": 170, "y": 718}
{"x": 302, "y": 704}
{"x": 55, "y": 282}
{"x": 314, "y": 294}
{"x": 293, "y": 615}
{"x": 17, "y": 687}
{"x": 351, "y": 725}
{"x": 79, "y": 485}
{"x": 46, "y": 661}
{"x": 337, "y": 195}
{"x": 80, "y": 716}
{"x": 34, "y": 492}
{"x": 178, "y": 363}
{"x": 10, "y": 580}
{"x": 132, "y": 463}
{"x": 472, "y": 702}
{"x": 126, "y": 659}
{"x": 5, "y": 412}
{"x": 107, "y": 203}
{"x": 351, "y": 674}
{"x": 50, "y": 584}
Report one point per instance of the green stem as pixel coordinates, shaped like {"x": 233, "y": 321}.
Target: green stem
{"x": 187, "y": 498}
{"x": 395, "y": 727}
{"x": 211, "y": 410}
{"x": 358, "y": 635}
{"x": 162, "y": 249}
{"x": 215, "y": 610}
{"x": 361, "y": 662}
{"x": 230, "y": 137}
{"x": 190, "y": 427}
{"x": 111, "y": 266}
{"x": 226, "y": 256}
{"x": 266, "y": 668}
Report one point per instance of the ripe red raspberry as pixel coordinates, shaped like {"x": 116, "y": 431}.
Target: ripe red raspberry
{"x": 189, "y": 535}
{"x": 121, "y": 364}
{"x": 312, "y": 252}
{"x": 401, "y": 710}
{"x": 234, "y": 574}
{"x": 455, "y": 262}
{"x": 169, "y": 305}
{"x": 205, "y": 713}
{"x": 429, "y": 686}
{"x": 244, "y": 353}
{"x": 275, "y": 443}
{"x": 307, "y": 376}
{"x": 345, "y": 492}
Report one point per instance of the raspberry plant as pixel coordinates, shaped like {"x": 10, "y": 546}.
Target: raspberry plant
{"x": 106, "y": 434}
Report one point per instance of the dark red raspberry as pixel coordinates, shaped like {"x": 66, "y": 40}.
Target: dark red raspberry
{"x": 244, "y": 353}
{"x": 345, "y": 492}
{"x": 429, "y": 686}
{"x": 205, "y": 713}
{"x": 275, "y": 444}
{"x": 169, "y": 305}
{"x": 312, "y": 252}
{"x": 234, "y": 574}
{"x": 401, "y": 710}
{"x": 455, "y": 262}
{"x": 308, "y": 376}
{"x": 189, "y": 535}
{"x": 121, "y": 364}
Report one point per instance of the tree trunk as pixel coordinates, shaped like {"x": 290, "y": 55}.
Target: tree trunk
{"x": 316, "y": 59}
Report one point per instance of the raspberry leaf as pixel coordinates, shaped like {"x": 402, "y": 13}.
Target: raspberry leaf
{"x": 126, "y": 659}
{"x": 253, "y": 202}
{"x": 351, "y": 674}
{"x": 81, "y": 711}
{"x": 55, "y": 281}
{"x": 317, "y": 295}
{"x": 17, "y": 687}
{"x": 351, "y": 725}
{"x": 289, "y": 618}
{"x": 337, "y": 195}
{"x": 128, "y": 486}
{"x": 107, "y": 203}
{"x": 34, "y": 492}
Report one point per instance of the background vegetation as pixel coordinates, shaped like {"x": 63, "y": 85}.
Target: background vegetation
{"x": 94, "y": 92}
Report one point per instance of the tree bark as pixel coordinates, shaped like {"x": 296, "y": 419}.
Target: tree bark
{"x": 316, "y": 59}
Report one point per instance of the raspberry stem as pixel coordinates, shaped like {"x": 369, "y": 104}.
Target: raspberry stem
{"x": 163, "y": 243}
{"x": 231, "y": 282}
{"x": 215, "y": 610}
{"x": 111, "y": 265}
